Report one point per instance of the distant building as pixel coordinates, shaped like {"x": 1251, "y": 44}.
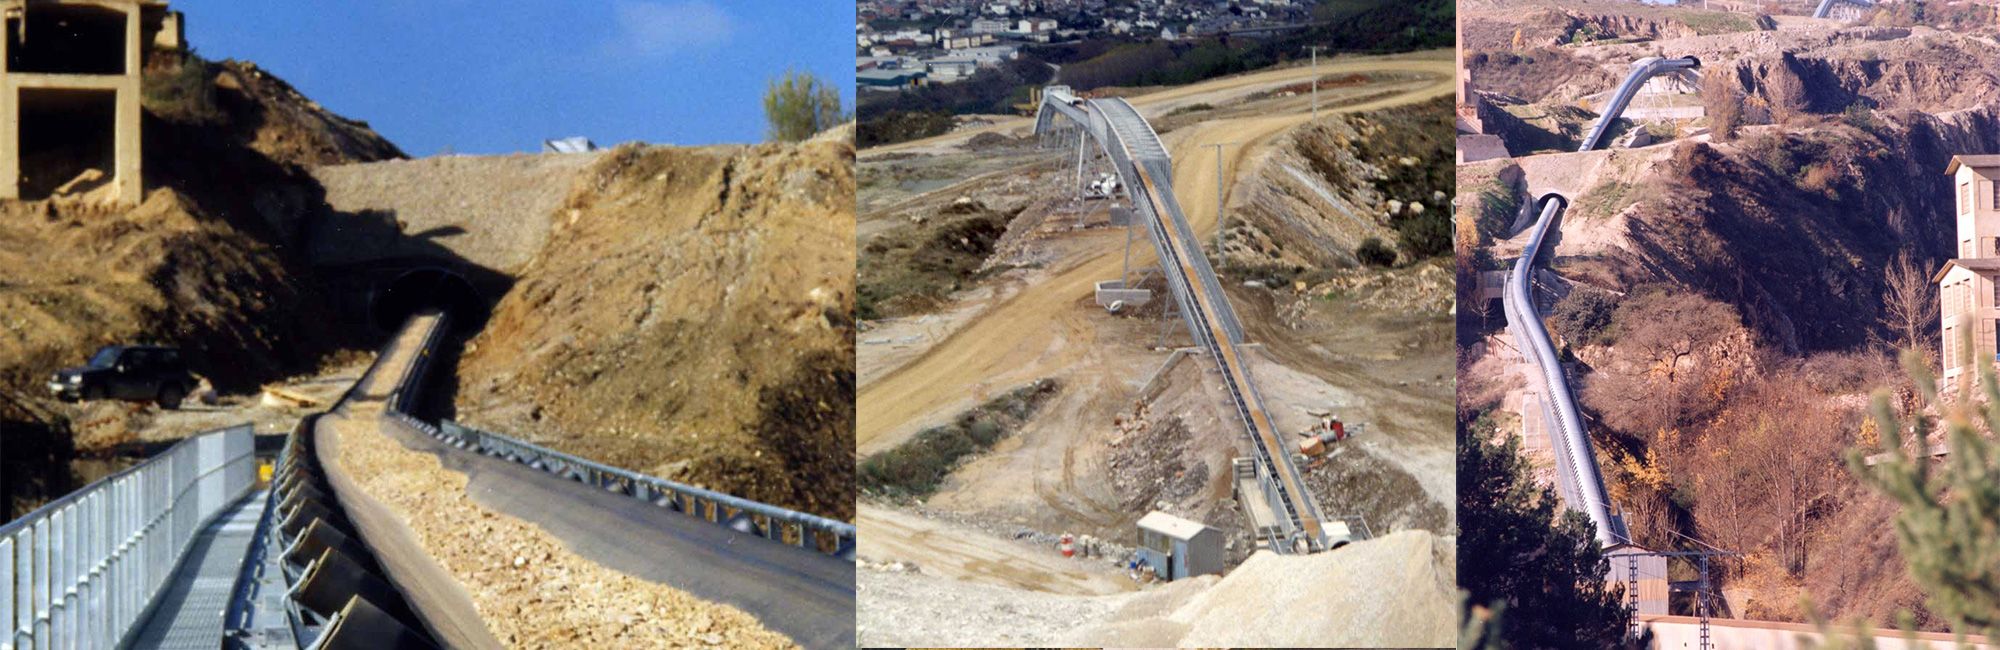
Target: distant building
{"x": 987, "y": 57}
{"x": 1966, "y": 283}
{"x": 895, "y": 78}
{"x": 950, "y": 70}
{"x": 1177, "y": 548}
{"x": 578, "y": 144}
{"x": 987, "y": 26}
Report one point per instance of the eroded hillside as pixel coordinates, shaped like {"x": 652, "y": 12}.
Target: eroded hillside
{"x": 691, "y": 316}
{"x": 1728, "y": 296}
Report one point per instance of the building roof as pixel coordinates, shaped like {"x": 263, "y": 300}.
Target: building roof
{"x": 888, "y": 77}
{"x": 1974, "y": 264}
{"x": 1171, "y": 526}
{"x": 1968, "y": 160}
{"x": 576, "y": 144}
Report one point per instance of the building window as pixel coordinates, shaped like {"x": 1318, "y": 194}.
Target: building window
{"x": 1985, "y": 343}
{"x": 1964, "y": 198}
{"x": 1996, "y": 246}
{"x": 1950, "y": 349}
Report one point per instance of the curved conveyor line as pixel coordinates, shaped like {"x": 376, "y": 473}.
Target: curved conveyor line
{"x": 1642, "y": 70}
{"x": 1826, "y": 6}
{"x": 1579, "y": 477}
{"x": 1577, "y": 473}
{"x": 1142, "y": 163}
{"x": 805, "y": 595}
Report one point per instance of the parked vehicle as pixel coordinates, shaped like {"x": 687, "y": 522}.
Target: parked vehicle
{"x": 127, "y": 372}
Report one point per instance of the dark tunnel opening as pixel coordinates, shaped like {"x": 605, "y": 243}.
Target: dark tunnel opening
{"x": 393, "y": 302}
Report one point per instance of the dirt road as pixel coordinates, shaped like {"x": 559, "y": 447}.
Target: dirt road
{"x": 965, "y": 554}
{"x": 1021, "y": 339}
{"x": 1215, "y": 91}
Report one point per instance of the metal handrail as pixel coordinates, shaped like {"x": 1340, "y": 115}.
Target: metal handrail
{"x": 83, "y": 570}
{"x": 790, "y": 527}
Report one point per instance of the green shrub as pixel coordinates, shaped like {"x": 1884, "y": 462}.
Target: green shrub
{"x": 1375, "y": 253}
{"x": 182, "y": 90}
{"x": 1584, "y": 316}
{"x": 916, "y": 468}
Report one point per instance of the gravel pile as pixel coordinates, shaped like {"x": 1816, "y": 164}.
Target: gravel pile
{"x": 531, "y": 591}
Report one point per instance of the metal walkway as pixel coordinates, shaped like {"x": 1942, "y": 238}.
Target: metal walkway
{"x": 189, "y": 613}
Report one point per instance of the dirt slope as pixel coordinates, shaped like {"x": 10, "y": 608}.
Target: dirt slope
{"x": 691, "y": 316}
{"x": 494, "y": 211}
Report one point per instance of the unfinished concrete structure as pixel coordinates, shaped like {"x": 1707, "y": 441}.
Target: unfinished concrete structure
{"x": 70, "y": 92}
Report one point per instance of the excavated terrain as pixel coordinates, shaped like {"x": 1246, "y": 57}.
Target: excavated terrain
{"x": 207, "y": 260}
{"x": 691, "y": 317}
{"x": 1127, "y": 435}
{"x": 1841, "y": 154}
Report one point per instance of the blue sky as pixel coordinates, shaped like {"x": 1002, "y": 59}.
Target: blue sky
{"x": 495, "y": 76}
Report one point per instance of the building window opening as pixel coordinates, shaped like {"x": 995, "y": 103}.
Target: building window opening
{"x": 67, "y": 40}
{"x": 64, "y": 135}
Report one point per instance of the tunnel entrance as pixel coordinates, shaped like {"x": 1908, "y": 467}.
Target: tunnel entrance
{"x": 418, "y": 289}
{"x": 67, "y": 39}
{"x": 63, "y": 133}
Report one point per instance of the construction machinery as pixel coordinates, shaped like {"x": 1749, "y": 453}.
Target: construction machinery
{"x": 1330, "y": 429}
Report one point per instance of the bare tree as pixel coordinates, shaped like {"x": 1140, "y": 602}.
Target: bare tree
{"x": 1786, "y": 91}
{"x": 1724, "y": 106}
{"x": 1910, "y": 304}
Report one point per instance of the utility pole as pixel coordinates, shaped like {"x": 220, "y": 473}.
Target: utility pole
{"x": 1315, "y": 83}
{"x": 1220, "y": 218}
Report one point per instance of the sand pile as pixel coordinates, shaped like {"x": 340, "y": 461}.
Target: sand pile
{"x": 531, "y": 590}
{"x": 1394, "y": 591}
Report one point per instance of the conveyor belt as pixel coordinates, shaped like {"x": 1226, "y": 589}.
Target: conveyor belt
{"x": 1142, "y": 161}
{"x": 804, "y": 594}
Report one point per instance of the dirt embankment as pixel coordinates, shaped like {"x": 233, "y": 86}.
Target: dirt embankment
{"x": 1329, "y": 186}
{"x": 1939, "y": 73}
{"x": 691, "y": 316}
{"x": 1706, "y": 217}
{"x": 198, "y": 262}
{"x": 205, "y": 260}
{"x": 492, "y": 211}
{"x": 1312, "y": 202}
{"x": 1563, "y": 22}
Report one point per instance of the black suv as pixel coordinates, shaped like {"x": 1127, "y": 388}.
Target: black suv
{"x": 127, "y": 372}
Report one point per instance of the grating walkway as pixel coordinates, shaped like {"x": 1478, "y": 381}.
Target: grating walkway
{"x": 190, "y": 610}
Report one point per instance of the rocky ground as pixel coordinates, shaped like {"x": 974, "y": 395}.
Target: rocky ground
{"x": 1256, "y": 604}
{"x": 531, "y": 590}
{"x": 1111, "y": 447}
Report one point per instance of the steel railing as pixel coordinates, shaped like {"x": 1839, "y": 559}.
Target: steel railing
{"x": 764, "y": 520}
{"x": 82, "y": 571}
